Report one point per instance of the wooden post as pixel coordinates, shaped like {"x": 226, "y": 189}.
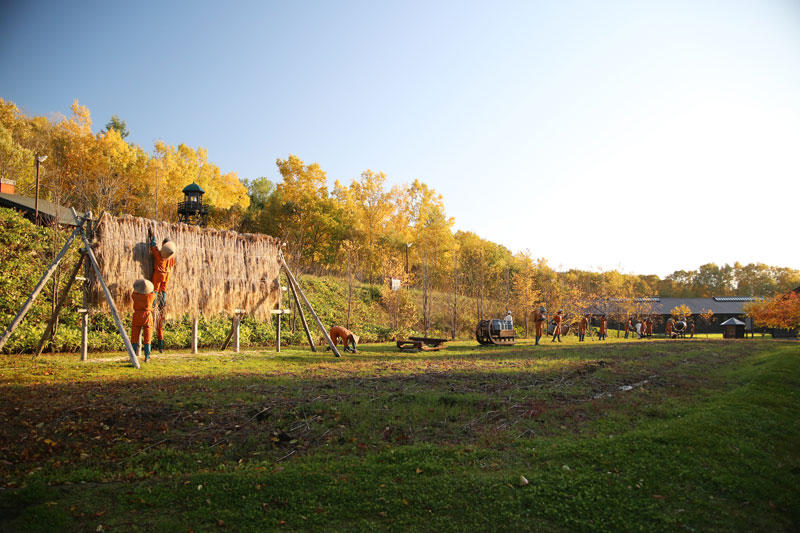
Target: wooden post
{"x": 311, "y": 309}
{"x": 51, "y": 324}
{"x": 84, "y": 334}
{"x": 109, "y": 299}
{"x": 301, "y": 313}
{"x": 279, "y": 312}
{"x": 194, "y": 335}
{"x": 236, "y": 323}
{"x": 85, "y": 311}
{"x": 39, "y": 286}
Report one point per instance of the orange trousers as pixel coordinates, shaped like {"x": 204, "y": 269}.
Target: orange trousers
{"x": 146, "y": 331}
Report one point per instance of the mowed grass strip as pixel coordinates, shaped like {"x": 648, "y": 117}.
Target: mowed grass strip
{"x": 620, "y": 435}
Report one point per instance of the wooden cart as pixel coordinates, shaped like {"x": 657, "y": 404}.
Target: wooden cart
{"x": 426, "y": 344}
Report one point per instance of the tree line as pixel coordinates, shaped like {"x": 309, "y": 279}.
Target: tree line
{"x": 364, "y": 230}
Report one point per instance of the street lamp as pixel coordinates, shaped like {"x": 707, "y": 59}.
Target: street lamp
{"x": 39, "y": 159}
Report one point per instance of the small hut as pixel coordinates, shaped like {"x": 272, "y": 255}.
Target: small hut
{"x": 733, "y": 328}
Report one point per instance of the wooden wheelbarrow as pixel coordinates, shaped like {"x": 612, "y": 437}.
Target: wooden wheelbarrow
{"x": 426, "y": 344}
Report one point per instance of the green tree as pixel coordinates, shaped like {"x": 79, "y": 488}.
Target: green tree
{"x": 119, "y": 125}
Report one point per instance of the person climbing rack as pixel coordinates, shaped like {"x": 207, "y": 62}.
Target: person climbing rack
{"x": 163, "y": 264}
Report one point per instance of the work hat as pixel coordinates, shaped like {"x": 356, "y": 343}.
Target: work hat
{"x": 542, "y": 309}
{"x": 560, "y": 310}
{"x": 142, "y": 286}
{"x": 168, "y": 249}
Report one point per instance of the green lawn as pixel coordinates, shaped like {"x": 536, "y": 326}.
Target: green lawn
{"x": 620, "y": 435}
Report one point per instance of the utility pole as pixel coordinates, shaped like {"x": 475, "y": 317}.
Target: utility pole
{"x": 39, "y": 159}
{"x": 158, "y": 175}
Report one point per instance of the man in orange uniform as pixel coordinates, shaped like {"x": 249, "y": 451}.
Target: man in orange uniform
{"x": 691, "y": 329}
{"x": 627, "y": 327}
{"x": 142, "y": 319}
{"x": 582, "y": 327}
{"x": 603, "y": 327}
{"x": 338, "y": 333}
{"x": 539, "y": 320}
{"x": 669, "y": 328}
{"x": 557, "y": 320}
{"x": 163, "y": 264}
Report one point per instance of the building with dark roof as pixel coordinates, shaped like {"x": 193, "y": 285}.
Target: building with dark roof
{"x": 660, "y": 309}
{"x": 48, "y": 211}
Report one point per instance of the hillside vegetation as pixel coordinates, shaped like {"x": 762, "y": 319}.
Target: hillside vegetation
{"x": 376, "y": 313}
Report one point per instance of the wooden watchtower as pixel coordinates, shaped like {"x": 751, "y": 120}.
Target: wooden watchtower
{"x": 192, "y": 210}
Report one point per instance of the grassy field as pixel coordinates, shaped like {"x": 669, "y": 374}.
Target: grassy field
{"x": 620, "y": 435}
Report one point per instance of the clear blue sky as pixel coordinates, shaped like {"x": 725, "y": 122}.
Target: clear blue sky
{"x": 643, "y": 136}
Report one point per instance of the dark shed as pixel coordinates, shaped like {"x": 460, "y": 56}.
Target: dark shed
{"x": 733, "y": 328}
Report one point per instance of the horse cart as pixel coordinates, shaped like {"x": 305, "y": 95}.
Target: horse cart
{"x": 495, "y": 331}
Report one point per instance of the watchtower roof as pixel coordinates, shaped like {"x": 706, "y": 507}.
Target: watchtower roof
{"x": 193, "y": 187}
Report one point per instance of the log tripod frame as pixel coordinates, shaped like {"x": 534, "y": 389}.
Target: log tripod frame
{"x": 79, "y": 231}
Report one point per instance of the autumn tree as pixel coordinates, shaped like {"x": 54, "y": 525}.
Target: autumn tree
{"x": 681, "y": 311}
{"x": 781, "y": 311}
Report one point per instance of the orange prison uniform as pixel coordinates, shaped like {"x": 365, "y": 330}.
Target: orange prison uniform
{"x": 558, "y": 318}
{"x": 649, "y": 327}
{"x": 583, "y": 324}
{"x": 339, "y": 332}
{"x": 602, "y": 326}
{"x": 162, "y": 268}
{"x": 669, "y": 329}
{"x": 538, "y": 322}
{"x": 142, "y": 319}
{"x": 628, "y": 326}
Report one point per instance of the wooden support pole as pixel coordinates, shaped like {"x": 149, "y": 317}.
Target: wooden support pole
{"x": 227, "y": 340}
{"x": 88, "y": 227}
{"x": 109, "y": 298}
{"x": 311, "y": 309}
{"x": 280, "y": 313}
{"x": 300, "y": 311}
{"x": 236, "y": 323}
{"x": 84, "y": 334}
{"x": 194, "y": 335}
{"x": 61, "y": 301}
{"x": 39, "y": 286}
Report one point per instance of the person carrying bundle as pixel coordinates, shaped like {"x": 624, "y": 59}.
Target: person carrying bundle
{"x": 142, "y": 319}
{"x": 338, "y": 333}
{"x": 582, "y": 327}
{"x": 163, "y": 264}
{"x": 539, "y": 321}
{"x": 557, "y": 320}
{"x": 603, "y": 328}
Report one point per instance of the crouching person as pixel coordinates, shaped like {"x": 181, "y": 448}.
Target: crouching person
{"x": 347, "y": 337}
{"x": 142, "y": 320}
